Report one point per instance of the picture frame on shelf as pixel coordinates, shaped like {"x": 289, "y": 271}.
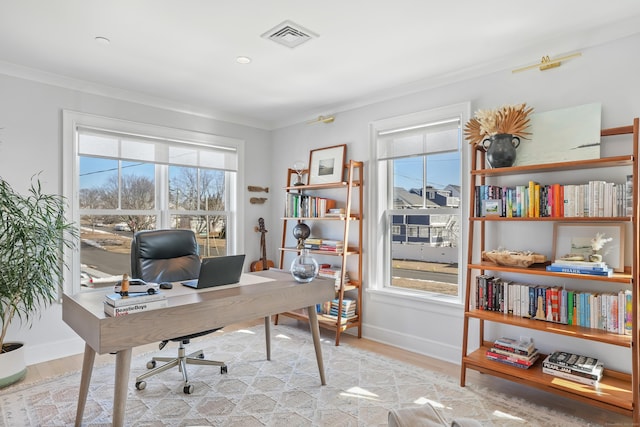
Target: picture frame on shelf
{"x": 575, "y": 238}
{"x": 326, "y": 165}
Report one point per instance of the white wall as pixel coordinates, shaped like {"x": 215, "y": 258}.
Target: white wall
{"x": 608, "y": 74}
{"x": 30, "y": 115}
{"x": 31, "y": 141}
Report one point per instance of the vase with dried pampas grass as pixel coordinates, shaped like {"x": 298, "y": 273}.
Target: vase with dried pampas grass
{"x": 499, "y": 132}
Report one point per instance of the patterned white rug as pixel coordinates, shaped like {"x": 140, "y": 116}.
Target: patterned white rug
{"x": 361, "y": 388}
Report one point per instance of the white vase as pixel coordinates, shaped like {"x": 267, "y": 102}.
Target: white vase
{"x": 12, "y": 365}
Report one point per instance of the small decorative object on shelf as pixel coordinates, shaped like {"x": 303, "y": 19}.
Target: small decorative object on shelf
{"x": 499, "y": 132}
{"x": 513, "y": 258}
{"x": 301, "y": 231}
{"x": 299, "y": 166}
{"x": 597, "y": 243}
{"x": 304, "y": 267}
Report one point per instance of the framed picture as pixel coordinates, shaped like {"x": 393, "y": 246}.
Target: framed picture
{"x": 575, "y": 238}
{"x": 326, "y": 165}
{"x": 491, "y": 207}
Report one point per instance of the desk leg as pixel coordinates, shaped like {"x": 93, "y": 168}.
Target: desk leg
{"x": 267, "y": 334}
{"x": 87, "y": 369}
{"x": 123, "y": 365}
{"x": 315, "y": 333}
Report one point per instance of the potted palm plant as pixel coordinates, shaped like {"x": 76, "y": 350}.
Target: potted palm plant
{"x": 33, "y": 233}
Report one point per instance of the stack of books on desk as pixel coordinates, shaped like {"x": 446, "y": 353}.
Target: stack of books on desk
{"x": 116, "y": 305}
{"x": 518, "y": 353}
{"x": 581, "y": 267}
{"x": 574, "y": 367}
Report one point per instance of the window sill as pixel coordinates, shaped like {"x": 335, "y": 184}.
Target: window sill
{"x": 413, "y": 299}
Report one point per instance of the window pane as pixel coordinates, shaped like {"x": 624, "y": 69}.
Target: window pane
{"x": 424, "y": 240}
{"x": 96, "y": 176}
{"x": 104, "y": 251}
{"x": 211, "y": 231}
{"x": 137, "y": 189}
{"x": 196, "y": 189}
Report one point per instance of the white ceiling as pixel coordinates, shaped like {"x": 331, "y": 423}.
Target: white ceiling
{"x": 182, "y": 54}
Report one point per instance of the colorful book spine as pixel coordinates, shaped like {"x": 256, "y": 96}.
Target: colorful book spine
{"x": 496, "y": 353}
{"x": 509, "y": 362}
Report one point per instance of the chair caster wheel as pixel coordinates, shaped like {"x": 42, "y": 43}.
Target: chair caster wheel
{"x": 188, "y": 389}
{"x": 141, "y": 385}
{"x": 223, "y": 369}
{"x": 151, "y": 364}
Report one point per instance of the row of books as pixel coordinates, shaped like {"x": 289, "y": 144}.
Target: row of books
{"x": 518, "y": 353}
{"x": 609, "y": 311}
{"x": 117, "y": 305}
{"x": 593, "y": 199}
{"x": 580, "y": 267}
{"x": 304, "y": 206}
{"x": 319, "y": 244}
{"x": 574, "y": 367}
{"x": 334, "y": 273}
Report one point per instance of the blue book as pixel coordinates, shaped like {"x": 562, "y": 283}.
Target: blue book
{"x": 601, "y": 266}
{"x": 575, "y": 270}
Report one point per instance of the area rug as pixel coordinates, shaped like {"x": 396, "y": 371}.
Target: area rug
{"x": 286, "y": 391}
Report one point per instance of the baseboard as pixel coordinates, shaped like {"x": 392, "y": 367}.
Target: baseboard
{"x": 51, "y": 351}
{"x": 431, "y": 348}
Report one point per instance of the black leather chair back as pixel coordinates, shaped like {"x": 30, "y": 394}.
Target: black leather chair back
{"x": 165, "y": 255}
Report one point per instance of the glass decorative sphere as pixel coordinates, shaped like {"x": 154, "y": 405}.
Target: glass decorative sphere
{"x": 304, "y": 267}
{"x": 301, "y": 231}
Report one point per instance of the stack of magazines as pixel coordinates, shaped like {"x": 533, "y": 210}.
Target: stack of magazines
{"x": 574, "y": 367}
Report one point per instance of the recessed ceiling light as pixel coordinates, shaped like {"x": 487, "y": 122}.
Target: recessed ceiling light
{"x": 102, "y": 40}
{"x": 243, "y": 60}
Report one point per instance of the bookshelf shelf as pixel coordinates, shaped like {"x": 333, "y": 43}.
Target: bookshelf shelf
{"x": 613, "y": 392}
{"x": 539, "y": 270}
{"x": 616, "y": 391}
{"x": 351, "y": 200}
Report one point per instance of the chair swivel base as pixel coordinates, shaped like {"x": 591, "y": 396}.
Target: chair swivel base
{"x": 195, "y": 358}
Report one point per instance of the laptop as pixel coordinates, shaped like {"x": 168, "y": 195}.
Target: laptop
{"x": 218, "y": 271}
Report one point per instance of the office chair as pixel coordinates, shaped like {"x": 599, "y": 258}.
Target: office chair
{"x": 169, "y": 256}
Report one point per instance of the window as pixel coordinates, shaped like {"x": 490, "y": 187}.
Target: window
{"x": 128, "y": 177}
{"x": 417, "y": 176}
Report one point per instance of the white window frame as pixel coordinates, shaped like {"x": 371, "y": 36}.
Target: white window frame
{"x": 72, "y": 120}
{"x": 379, "y": 243}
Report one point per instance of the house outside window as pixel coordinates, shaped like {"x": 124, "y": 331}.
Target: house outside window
{"x": 417, "y": 180}
{"x": 124, "y": 181}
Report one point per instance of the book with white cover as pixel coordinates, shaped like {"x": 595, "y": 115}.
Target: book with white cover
{"x": 134, "y": 308}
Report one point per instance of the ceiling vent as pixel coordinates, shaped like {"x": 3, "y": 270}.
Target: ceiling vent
{"x": 289, "y": 34}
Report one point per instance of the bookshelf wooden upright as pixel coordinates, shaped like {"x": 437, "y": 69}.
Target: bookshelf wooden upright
{"x": 351, "y": 191}
{"x": 618, "y": 391}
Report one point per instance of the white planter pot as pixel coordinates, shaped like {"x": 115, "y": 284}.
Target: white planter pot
{"x": 12, "y": 366}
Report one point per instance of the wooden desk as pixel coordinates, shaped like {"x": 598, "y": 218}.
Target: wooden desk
{"x": 257, "y": 295}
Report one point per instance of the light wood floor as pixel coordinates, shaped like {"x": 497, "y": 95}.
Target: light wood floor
{"x": 594, "y": 415}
